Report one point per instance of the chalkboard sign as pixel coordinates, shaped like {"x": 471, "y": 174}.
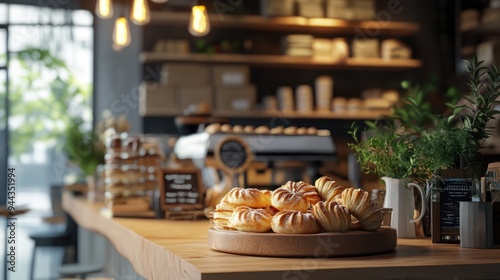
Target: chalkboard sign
{"x": 181, "y": 188}
{"x": 446, "y": 211}
{"x": 233, "y": 154}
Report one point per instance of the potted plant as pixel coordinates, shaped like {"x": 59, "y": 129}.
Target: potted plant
{"x": 388, "y": 149}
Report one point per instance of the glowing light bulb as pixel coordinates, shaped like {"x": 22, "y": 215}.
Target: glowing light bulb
{"x": 104, "y": 9}
{"x": 121, "y": 34}
{"x": 199, "y": 25}
{"x": 139, "y": 14}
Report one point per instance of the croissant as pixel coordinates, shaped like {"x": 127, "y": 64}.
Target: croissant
{"x": 291, "y": 221}
{"x": 251, "y": 220}
{"x": 328, "y": 189}
{"x": 360, "y": 205}
{"x": 294, "y": 196}
{"x": 332, "y": 217}
{"x": 248, "y": 197}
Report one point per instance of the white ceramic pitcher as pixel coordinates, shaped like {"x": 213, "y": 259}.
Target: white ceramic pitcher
{"x": 399, "y": 197}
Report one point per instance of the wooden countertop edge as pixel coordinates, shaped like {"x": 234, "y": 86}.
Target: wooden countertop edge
{"x": 192, "y": 259}
{"x": 129, "y": 244}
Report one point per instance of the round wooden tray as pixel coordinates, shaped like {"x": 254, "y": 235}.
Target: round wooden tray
{"x": 351, "y": 243}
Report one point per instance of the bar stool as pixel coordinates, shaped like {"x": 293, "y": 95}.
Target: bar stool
{"x": 66, "y": 239}
{"x": 79, "y": 270}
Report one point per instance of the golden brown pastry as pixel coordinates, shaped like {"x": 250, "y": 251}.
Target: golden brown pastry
{"x": 283, "y": 199}
{"x": 249, "y": 129}
{"x": 247, "y": 197}
{"x": 331, "y": 216}
{"x": 226, "y": 128}
{"x": 290, "y": 221}
{"x": 291, "y": 130}
{"x": 277, "y": 130}
{"x": 251, "y": 220}
{"x": 213, "y": 128}
{"x": 360, "y": 205}
{"x": 309, "y": 191}
{"x": 312, "y": 131}
{"x": 328, "y": 189}
{"x": 237, "y": 129}
{"x": 302, "y": 130}
{"x": 222, "y": 216}
{"x": 263, "y": 129}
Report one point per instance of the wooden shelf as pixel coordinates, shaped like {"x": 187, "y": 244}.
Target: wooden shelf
{"x": 293, "y": 24}
{"x": 342, "y": 115}
{"x": 282, "y": 61}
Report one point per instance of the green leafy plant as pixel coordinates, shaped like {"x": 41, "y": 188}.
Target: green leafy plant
{"x": 415, "y": 143}
{"x": 83, "y": 147}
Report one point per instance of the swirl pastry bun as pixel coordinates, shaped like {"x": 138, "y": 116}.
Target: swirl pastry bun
{"x": 331, "y": 216}
{"x": 302, "y": 130}
{"x": 309, "y": 191}
{"x": 291, "y": 130}
{"x": 248, "y": 197}
{"x": 277, "y": 130}
{"x": 295, "y": 196}
{"x": 296, "y": 222}
{"x": 328, "y": 189}
{"x": 360, "y": 205}
{"x": 251, "y": 220}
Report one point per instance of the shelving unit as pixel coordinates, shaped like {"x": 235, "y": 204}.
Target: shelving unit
{"x": 293, "y": 24}
{"x": 340, "y": 115}
{"x": 283, "y": 61}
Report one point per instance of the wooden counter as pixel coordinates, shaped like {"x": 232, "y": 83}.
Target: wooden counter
{"x": 160, "y": 249}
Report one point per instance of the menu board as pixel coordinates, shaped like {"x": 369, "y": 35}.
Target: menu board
{"x": 181, "y": 188}
{"x": 452, "y": 192}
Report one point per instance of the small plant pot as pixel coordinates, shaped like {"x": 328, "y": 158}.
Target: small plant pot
{"x": 476, "y": 224}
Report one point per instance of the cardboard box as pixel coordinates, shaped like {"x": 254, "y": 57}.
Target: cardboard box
{"x": 157, "y": 99}
{"x": 235, "y": 98}
{"x": 230, "y": 75}
{"x": 199, "y": 96}
{"x": 185, "y": 74}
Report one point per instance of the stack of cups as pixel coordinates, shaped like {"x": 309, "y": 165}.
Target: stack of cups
{"x": 324, "y": 93}
{"x": 304, "y": 99}
{"x": 285, "y": 99}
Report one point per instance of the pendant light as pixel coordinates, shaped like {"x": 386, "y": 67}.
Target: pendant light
{"x": 139, "y": 13}
{"x": 199, "y": 25}
{"x": 121, "y": 33}
{"x": 104, "y": 9}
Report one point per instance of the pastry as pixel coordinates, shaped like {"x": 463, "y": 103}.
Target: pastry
{"x": 284, "y": 199}
{"x": 309, "y": 191}
{"x": 226, "y": 128}
{"x": 302, "y": 130}
{"x": 360, "y": 205}
{"x": 251, "y": 220}
{"x": 312, "y": 130}
{"x": 248, "y": 129}
{"x": 262, "y": 130}
{"x": 290, "y": 221}
{"x": 331, "y": 216}
{"x": 213, "y": 128}
{"x": 295, "y": 196}
{"x": 222, "y": 216}
{"x": 277, "y": 130}
{"x": 247, "y": 197}
{"x": 291, "y": 130}
{"x": 237, "y": 129}
{"x": 328, "y": 189}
